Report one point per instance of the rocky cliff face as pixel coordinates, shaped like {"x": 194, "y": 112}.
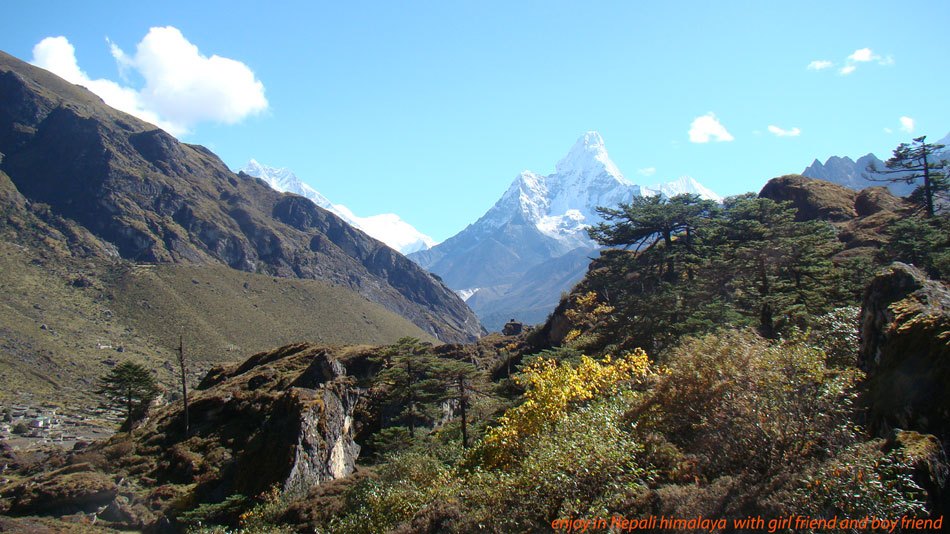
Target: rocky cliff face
{"x": 157, "y": 200}
{"x": 283, "y": 418}
{"x": 905, "y": 351}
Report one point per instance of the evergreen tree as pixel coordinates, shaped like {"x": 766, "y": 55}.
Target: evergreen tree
{"x": 646, "y": 222}
{"x": 780, "y": 269}
{"x": 459, "y": 381}
{"x": 410, "y": 376}
{"x": 923, "y": 242}
{"x": 749, "y": 261}
{"x": 913, "y": 161}
{"x": 130, "y": 386}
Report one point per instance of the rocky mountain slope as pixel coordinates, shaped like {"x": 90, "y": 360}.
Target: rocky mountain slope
{"x": 532, "y": 244}
{"x": 283, "y": 418}
{"x": 291, "y": 420}
{"x": 386, "y": 227}
{"x": 145, "y": 197}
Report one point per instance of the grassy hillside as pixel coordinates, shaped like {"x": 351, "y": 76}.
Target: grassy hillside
{"x": 64, "y": 321}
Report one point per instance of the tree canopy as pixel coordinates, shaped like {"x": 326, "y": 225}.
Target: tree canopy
{"x": 912, "y": 162}
{"x": 696, "y": 266}
{"x": 130, "y": 386}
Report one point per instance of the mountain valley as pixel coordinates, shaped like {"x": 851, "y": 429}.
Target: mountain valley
{"x": 774, "y": 354}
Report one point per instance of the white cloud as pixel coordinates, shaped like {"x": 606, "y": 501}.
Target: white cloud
{"x": 907, "y": 124}
{"x": 794, "y": 132}
{"x": 863, "y": 54}
{"x": 708, "y": 126}
{"x": 649, "y": 171}
{"x": 819, "y": 64}
{"x": 888, "y": 130}
{"x": 58, "y": 56}
{"x": 182, "y": 86}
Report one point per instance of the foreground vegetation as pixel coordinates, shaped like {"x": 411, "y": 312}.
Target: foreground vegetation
{"x": 746, "y": 404}
{"x": 731, "y": 425}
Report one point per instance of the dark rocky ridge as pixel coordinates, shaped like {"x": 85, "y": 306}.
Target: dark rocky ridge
{"x": 157, "y": 200}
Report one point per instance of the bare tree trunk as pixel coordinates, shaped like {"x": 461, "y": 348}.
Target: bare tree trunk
{"x": 463, "y": 404}
{"x": 928, "y": 191}
{"x": 184, "y": 384}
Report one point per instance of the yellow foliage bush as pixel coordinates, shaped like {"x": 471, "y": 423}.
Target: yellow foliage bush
{"x": 585, "y": 314}
{"x": 552, "y": 390}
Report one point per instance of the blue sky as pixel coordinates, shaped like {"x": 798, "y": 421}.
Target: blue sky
{"x": 430, "y": 109}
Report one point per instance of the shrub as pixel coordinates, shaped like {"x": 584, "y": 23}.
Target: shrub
{"x": 552, "y": 389}
{"x": 837, "y": 333}
{"x": 405, "y": 485}
{"x": 743, "y": 405}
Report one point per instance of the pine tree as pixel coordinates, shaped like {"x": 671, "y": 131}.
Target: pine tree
{"x": 913, "y": 161}
{"x": 781, "y": 269}
{"x": 647, "y": 222}
{"x": 130, "y": 386}
{"x": 923, "y": 242}
{"x": 459, "y": 382}
{"x": 409, "y": 375}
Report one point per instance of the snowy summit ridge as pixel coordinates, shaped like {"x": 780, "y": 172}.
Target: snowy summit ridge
{"x": 386, "y": 227}
{"x": 563, "y": 204}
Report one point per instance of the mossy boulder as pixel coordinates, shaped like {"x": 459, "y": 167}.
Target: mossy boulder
{"x": 873, "y": 200}
{"x": 814, "y": 199}
{"x": 931, "y": 469}
{"x": 905, "y": 351}
{"x": 77, "y": 488}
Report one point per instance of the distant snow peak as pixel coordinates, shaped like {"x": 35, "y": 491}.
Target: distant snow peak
{"x": 682, "y": 185}
{"x": 395, "y": 232}
{"x": 466, "y": 294}
{"x": 386, "y": 227}
{"x": 564, "y": 204}
{"x": 589, "y": 156}
{"x": 569, "y": 223}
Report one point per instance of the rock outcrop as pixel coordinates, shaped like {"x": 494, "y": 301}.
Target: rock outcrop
{"x": 905, "y": 351}
{"x": 861, "y": 218}
{"x": 283, "y": 419}
{"x": 814, "y": 199}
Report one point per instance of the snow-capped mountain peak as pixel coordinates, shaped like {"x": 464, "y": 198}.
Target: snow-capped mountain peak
{"x": 588, "y": 157}
{"x": 563, "y": 204}
{"x": 285, "y": 181}
{"x": 386, "y": 227}
{"x": 532, "y": 244}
